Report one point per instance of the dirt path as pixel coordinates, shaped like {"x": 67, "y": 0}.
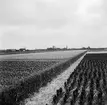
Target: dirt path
{"x": 45, "y": 94}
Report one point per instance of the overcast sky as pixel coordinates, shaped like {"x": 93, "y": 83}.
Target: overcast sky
{"x": 44, "y": 23}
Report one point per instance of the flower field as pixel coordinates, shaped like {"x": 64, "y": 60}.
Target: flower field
{"x": 87, "y": 85}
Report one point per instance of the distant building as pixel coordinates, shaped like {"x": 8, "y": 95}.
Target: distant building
{"x": 22, "y": 49}
{"x": 88, "y": 47}
{"x": 10, "y": 50}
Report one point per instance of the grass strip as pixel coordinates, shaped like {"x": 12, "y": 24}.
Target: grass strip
{"x": 14, "y": 95}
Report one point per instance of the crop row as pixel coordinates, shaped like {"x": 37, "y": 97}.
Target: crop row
{"x": 87, "y": 85}
{"x": 13, "y": 71}
{"x": 14, "y": 95}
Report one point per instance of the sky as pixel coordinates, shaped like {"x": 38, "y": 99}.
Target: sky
{"x": 44, "y": 23}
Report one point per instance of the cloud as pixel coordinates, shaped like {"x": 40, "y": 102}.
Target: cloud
{"x": 89, "y": 10}
{"x": 43, "y": 23}
{"x": 41, "y": 13}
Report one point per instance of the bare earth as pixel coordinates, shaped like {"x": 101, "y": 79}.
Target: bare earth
{"x": 45, "y": 94}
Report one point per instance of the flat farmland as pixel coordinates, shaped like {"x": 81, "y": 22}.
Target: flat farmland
{"x": 97, "y": 52}
{"x": 23, "y": 74}
{"x": 87, "y": 85}
{"x": 44, "y": 55}
{"x": 13, "y": 71}
{"x": 15, "y": 67}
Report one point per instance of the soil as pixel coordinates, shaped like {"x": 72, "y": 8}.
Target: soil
{"x": 45, "y": 94}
